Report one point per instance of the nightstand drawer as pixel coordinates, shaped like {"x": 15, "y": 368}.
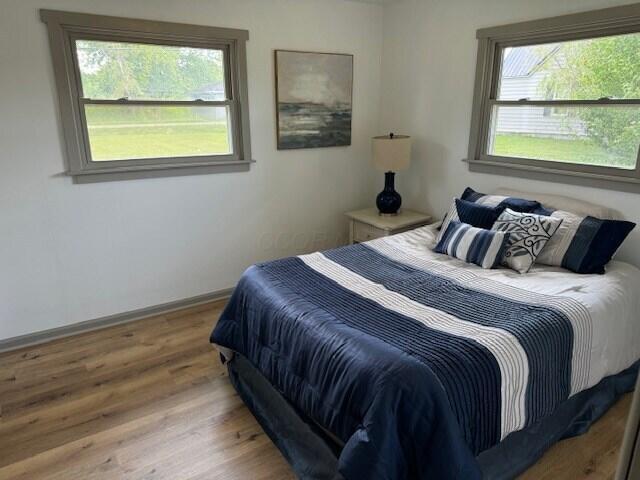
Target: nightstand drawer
{"x": 363, "y": 232}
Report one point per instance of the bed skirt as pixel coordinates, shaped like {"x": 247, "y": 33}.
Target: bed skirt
{"x": 313, "y": 453}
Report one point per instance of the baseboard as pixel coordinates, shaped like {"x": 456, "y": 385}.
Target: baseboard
{"x": 43, "y": 336}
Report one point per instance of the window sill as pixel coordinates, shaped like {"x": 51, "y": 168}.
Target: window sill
{"x": 157, "y": 171}
{"x": 550, "y": 174}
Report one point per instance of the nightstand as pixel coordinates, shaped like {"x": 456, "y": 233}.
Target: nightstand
{"x": 368, "y": 224}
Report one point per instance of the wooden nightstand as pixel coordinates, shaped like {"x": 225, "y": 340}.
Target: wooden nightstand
{"x": 368, "y": 224}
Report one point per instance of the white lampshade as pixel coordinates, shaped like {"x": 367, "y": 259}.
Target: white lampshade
{"x": 391, "y": 153}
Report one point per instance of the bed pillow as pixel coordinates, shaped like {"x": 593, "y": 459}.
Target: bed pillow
{"x": 475, "y": 214}
{"x": 529, "y": 233}
{"x": 562, "y": 202}
{"x": 484, "y": 248}
{"x": 514, "y": 203}
{"x": 584, "y": 244}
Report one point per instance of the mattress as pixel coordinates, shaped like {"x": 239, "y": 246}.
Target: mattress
{"x": 419, "y": 362}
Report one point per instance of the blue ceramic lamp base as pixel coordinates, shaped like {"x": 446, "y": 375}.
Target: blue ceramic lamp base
{"x": 388, "y": 200}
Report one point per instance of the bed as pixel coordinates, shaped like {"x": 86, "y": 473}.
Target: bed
{"x": 387, "y": 360}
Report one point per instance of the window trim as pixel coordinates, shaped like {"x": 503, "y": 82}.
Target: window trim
{"x": 65, "y": 28}
{"x": 491, "y": 41}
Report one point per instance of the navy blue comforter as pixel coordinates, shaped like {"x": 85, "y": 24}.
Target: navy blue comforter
{"x": 370, "y": 348}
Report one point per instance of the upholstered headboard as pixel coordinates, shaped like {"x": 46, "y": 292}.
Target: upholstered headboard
{"x": 560, "y": 202}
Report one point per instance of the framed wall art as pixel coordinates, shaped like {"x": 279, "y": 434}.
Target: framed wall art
{"x": 313, "y": 99}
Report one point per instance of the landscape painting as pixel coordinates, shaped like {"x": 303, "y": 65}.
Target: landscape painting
{"x": 313, "y": 97}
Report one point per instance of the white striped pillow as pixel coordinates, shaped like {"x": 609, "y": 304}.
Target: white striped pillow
{"x": 484, "y": 248}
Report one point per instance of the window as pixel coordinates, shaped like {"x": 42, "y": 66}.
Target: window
{"x": 560, "y": 96}
{"x": 140, "y": 98}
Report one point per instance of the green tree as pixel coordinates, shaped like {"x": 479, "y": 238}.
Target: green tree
{"x": 115, "y": 70}
{"x": 591, "y": 69}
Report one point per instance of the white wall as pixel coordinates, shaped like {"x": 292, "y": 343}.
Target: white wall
{"x": 70, "y": 253}
{"x": 429, "y": 59}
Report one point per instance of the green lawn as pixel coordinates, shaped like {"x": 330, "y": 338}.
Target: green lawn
{"x": 111, "y": 142}
{"x": 108, "y": 143}
{"x": 577, "y": 150}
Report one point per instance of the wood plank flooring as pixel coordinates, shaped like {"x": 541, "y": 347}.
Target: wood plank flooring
{"x": 150, "y": 400}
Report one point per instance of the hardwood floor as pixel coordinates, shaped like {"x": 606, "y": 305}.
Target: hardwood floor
{"x": 150, "y": 400}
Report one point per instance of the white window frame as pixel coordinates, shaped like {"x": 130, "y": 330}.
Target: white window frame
{"x": 491, "y": 42}
{"x": 65, "y": 28}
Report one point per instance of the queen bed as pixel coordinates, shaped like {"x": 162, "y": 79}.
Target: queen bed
{"x": 387, "y": 360}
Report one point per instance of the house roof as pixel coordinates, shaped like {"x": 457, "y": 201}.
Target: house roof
{"x": 523, "y": 61}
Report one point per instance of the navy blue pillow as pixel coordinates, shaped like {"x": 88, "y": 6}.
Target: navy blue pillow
{"x": 514, "y": 203}
{"x": 474, "y": 214}
{"x": 477, "y": 215}
{"x": 594, "y": 243}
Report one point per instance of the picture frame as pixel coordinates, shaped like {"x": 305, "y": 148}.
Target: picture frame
{"x": 314, "y": 99}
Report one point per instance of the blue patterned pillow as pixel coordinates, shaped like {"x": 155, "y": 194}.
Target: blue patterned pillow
{"x": 529, "y": 235}
{"x": 484, "y": 248}
{"x": 514, "y": 203}
{"x": 475, "y": 214}
{"x": 583, "y": 244}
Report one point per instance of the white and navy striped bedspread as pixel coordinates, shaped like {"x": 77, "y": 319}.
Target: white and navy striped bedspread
{"x": 544, "y": 356}
{"x": 348, "y": 325}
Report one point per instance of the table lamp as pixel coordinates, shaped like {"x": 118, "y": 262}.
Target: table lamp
{"x": 391, "y": 153}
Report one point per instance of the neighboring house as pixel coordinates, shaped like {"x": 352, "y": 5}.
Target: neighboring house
{"x": 524, "y": 71}
{"x": 212, "y": 91}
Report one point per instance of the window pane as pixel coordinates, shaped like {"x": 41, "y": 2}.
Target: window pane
{"x": 593, "y": 135}
{"x": 112, "y": 70}
{"x": 577, "y": 70}
{"x": 126, "y": 132}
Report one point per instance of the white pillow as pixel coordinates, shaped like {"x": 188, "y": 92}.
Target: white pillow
{"x": 528, "y": 234}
